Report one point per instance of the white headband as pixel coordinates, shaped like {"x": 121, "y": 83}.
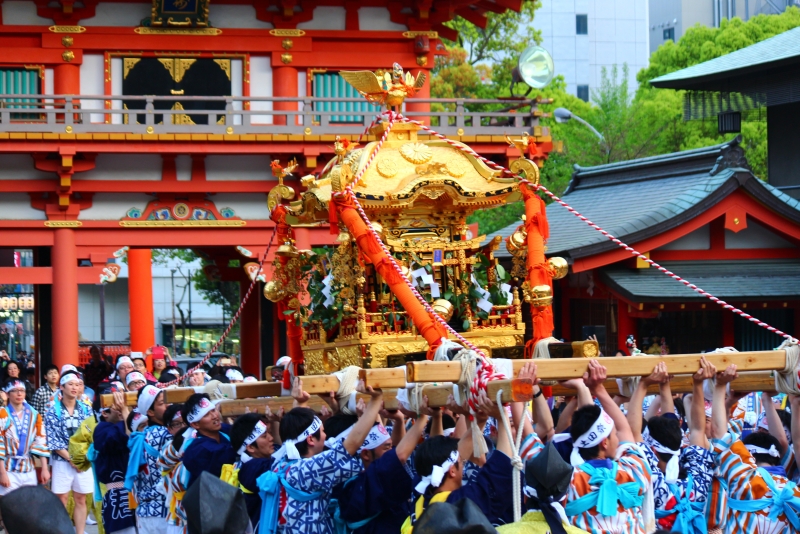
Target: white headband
{"x": 201, "y": 409}
{"x": 133, "y": 376}
{"x": 233, "y": 374}
{"x": 68, "y": 367}
{"x": 147, "y": 398}
{"x": 754, "y": 449}
{"x": 249, "y": 379}
{"x": 70, "y": 377}
{"x": 177, "y": 416}
{"x": 283, "y": 361}
{"x": 437, "y": 474}
{"x": 124, "y": 359}
{"x": 290, "y": 444}
{"x": 259, "y": 429}
{"x": 762, "y": 421}
{"x": 137, "y": 421}
{"x": 673, "y": 465}
{"x": 708, "y": 408}
{"x": 330, "y": 442}
{"x": 14, "y": 384}
{"x": 599, "y": 431}
{"x": 377, "y": 436}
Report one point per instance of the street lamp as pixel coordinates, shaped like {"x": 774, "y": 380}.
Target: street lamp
{"x": 563, "y": 115}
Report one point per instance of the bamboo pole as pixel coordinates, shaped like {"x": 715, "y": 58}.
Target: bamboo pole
{"x": 618, "y": 367}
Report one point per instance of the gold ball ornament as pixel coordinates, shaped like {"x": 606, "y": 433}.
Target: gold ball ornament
{"x": 272, "y": 292}
{"x": 444, "y": 308}
{"x": 527, "y": 168}
{"x": 558, "y": 267}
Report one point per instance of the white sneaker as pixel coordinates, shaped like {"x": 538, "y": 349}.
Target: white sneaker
{"x": 90, "y": 521}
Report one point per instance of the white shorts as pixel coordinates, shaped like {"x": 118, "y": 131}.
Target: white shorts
{"x": 18, "y": 480}
{"x": 152, "y": 525}
{"x": 64, "y": 478}
{"x": 176, "y": 529}
{"x": 129, "y": 530}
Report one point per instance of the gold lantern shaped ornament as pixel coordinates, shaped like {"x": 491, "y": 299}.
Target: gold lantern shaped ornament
{"x": 272, "y": 292}
{"x": 558, "y": 267}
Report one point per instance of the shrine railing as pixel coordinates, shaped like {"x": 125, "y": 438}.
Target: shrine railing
{"x": 249, "y": 115}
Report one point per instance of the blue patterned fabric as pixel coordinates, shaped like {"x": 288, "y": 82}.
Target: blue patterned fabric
{"x": 60, "y": 425}
{"x": 148, "y": 487}
{"x": 697, "y": 461}
{"x": 320, "y": 473}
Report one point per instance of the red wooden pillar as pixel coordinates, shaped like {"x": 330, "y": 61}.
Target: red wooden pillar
{"x": 728, "y": 336}
{"x": 413, "y": 107}
{"x": 249, "y": 331}
{"x": 65, "y": 298}
{"x": 140, "y": 299}
{"x": 626, "y": 325}
{"x": 284, "y": 83}
{"x": 67, "y": 79}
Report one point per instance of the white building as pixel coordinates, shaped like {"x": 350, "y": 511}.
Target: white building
{"x": 584, "y": 36}
{"x": 205, "y": 320}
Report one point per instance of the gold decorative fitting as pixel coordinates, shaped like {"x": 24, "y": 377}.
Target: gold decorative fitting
{"x": 287, "y": 250}
{"x": 444, "y": 308}
{"x": 541, "y": 296}
{"x": 127, "y": 64}
{"x": 287, "y": 44}
{"x": 68, "y": 129}
{"x": 413, "y": 35}
{"x": 149, "y": 129}
{"x": 67, "y": 29}
{"x": 307, "y": 131}
{"x": 558, "y": 267}
{"x": 225, "y": 65}
{"x": 422, "y": 60}
{"x": 229, "y": 130}
{"x": 416, "y": 152}
{"x": 527, "y": 168}
{"x": 177, "y": 31}
{"x": 287, "y": 33}
{"x": 188, "y": 224}
{"x": 68, "y": 56}
{"x": 63, "y": 224}
{"x": 460, "y": 131}
{"x": 67, "y": 41}
{"x": 272, "y": 292}
{"x": 286, "y": 58}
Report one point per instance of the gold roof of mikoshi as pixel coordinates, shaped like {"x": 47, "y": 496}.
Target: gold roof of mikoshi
{"x": 405, "y": 170}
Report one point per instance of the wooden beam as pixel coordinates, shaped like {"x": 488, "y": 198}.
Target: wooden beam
{"x": 747, "y": 382}
{"x": 516, "y": 390}
{"x": 377, "y": 378}
{"x": 233, "y": 408}
{"x": 619, "y": 366}
{"x": 243, "y": 391}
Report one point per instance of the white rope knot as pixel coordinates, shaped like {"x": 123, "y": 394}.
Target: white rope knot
{"x": 346, "y": 395}
{"x": 788, "y": 380}
{"x": 516, "y": 460}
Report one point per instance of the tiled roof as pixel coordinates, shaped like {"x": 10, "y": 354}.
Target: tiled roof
{"x": 637, "y": 199}
{"x": 756, "y": 279}
{"x": 782, "y": 47}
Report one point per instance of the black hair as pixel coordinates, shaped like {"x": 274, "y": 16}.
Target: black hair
{"x": 129, "y": 420}
{"x": 177, "y": 441}
{"x": 786, "y": 420}
{"x": 294, "y": 423}
{"x": 243, "y": 427}
{"x": 190, "y": 405}
{"x": 433, "y": 451}
{"x": 680, "y": 408}
{"x": 167, "y": 377}
{"x": 46, "y": 370}
{"x": 582, "y": 420}
{"x": 666, "y": 431}
{"x": 170, "y": 412}
{"x": 447, "y": 422}
{"x": 336, "y": 424}
{"x": 765, "y": 441}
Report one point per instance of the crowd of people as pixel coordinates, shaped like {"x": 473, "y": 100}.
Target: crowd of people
{"x": 695, "y": 463}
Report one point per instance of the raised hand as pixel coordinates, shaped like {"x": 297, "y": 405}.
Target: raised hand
{"x": 302, "y": 397}
{"x": 595, "y": 375}
{"x": 658, "y": 376}
{"x": 707, "y": 370}
{"x": 728, "y": 375}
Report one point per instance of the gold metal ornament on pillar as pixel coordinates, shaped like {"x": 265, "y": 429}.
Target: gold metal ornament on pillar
{"x": 444, "y": 308}
{"x": 272, "y": 292}
{"x": 541, "y": 296}
{"x": 559, "y": 268}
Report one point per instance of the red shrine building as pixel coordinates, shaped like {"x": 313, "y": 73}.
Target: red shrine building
{"x": 701, "y": 214}
{"x": 127, "y": 126}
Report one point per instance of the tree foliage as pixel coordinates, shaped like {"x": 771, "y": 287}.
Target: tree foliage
{"x": 636, "y": 124}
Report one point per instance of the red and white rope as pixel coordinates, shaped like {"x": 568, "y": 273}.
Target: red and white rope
{"x": 615, "y": 240}
{"x": 233, "y": 320}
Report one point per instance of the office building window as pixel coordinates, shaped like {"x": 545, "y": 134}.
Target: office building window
{"x": 582, "y": 24}
{"x": 583, "y": 92}
{"x": 669, "y": 33}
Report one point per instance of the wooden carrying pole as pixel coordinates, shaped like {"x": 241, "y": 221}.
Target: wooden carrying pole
{"x": 377, "y": 378}
{"x": 747, "y": 382}
{"x": 173, "y": 395}
{"x": 233, "y": 408}
{"x": 618, "y": 366}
